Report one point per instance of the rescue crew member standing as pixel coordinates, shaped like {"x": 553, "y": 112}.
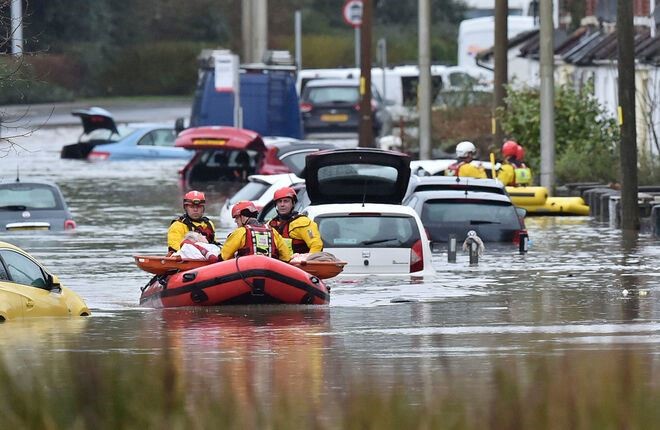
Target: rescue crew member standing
{"x": 506, "y": 174}
{"x": 522, "y": 172}
{"x": 251, "y": 237}
{"x": 194, "y": 204}
{"x": 300, "y": 233}
{"x": 465, "y": 152}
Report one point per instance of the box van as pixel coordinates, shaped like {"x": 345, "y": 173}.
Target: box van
{"x": 268, "y": 98}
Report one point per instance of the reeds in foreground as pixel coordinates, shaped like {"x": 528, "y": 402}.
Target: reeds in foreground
{"x": 579, "y": 390}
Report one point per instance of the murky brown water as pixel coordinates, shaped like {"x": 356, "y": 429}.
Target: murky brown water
{"x": 566, "y": 294}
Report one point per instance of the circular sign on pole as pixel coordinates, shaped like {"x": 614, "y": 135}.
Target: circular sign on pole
{"x": 352, "y": 12}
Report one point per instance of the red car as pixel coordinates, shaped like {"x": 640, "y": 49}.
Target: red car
{"x": 232, "y": 154}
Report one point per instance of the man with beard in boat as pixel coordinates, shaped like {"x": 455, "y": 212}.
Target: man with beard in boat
{"x": 299, "y": 232}
{"x": 193, "y": 219}
{"x": 251, "y": 237}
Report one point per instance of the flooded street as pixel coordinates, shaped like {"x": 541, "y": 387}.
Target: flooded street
{"x": 581, "y": 288}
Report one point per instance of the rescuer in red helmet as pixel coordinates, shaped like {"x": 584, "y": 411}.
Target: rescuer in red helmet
{"x": 193, "y": 219}
{"x": 513, "y": 171}
{"x": 506, "y": 173}
{"x": 300, "y": 233}
{"x": 251, "y": 237}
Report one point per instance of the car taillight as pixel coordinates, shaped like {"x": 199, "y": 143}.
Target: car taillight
{"x": 518, "y": 234}
{"x": 69, "y": 224}
{"x": 416, "y": 257}
{"x": 305, "y": 107}
{"x": 98, "y": 156}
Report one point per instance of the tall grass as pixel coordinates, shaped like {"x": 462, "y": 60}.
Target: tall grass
{"x": 579, "y": 390}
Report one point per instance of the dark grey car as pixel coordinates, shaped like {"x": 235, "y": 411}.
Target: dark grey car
{"x": 33, "y": 205}
{"x": 330, "y": 109}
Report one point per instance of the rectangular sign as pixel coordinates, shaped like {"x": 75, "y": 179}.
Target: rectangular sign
{"x": 226, "y": 72}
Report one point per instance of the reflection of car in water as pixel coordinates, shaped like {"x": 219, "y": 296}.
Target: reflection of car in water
{"x": 103, "y": 139}
{"x": 28, "y": 290}
{"x": 33, "y": 205}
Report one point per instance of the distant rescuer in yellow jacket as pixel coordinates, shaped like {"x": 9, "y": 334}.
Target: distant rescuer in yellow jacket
{"x": 251, "y": 237}
{"x": 513, "y": 171}
{"x": 194, "y": 204}
{"x": 299, "y": 232}
{"x": 465, "y": 152}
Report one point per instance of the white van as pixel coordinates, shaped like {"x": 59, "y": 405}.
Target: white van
{"x": 478, "y": 34}
{"x": 398, "y": 85}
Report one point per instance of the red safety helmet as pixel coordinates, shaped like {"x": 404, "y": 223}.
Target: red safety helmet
{"x": 520, "y": 153}
{"x": 284, "y": 193}
{"x": 245, "y": 208}
{"x": 194, "y": 198}
{"x": 510, "y": 148}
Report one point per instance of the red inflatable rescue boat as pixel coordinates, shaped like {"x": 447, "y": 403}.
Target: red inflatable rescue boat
{"x": 253, "y": 279}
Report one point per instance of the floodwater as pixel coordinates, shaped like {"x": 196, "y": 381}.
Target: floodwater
{"x": 582, "y": 287}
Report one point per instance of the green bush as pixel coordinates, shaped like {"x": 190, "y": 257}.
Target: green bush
{"x": 586, "y": 138}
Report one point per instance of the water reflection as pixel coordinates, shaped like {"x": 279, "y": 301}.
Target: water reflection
{"x": 565, "y": 294}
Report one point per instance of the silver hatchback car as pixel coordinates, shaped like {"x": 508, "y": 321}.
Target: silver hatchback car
{"x": 33, "y": 205}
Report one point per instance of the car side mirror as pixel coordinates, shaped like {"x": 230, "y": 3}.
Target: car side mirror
{"x": 179, "y": 125}
{"x": 521, "y": 212}
{"x": 53, "y": 282}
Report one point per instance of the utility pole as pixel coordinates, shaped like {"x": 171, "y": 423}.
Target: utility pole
{"x": 628, "y": 151}
{"x": 16, "y": 28}
{"x": 546, "y": 48}
{"x": 424, "y": 88}
{"x": 366, "y": 126}
{"x": 501, "y": 65}
{"x": 254, "y": 29}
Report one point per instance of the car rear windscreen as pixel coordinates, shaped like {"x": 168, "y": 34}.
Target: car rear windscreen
{"x": 368, "y": 230}
{"x": 333, "y": 95}
{"x": 470, "y": 213}
{"x": 28, "y": 196}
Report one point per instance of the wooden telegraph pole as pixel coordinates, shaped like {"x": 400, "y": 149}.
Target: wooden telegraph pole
{"x": 366, "y": 126}
{"x": 501, "y": 65}
{"x": 628, "y": 150}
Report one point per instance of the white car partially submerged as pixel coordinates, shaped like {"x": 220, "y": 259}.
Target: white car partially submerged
{"x": 355, "y": 198}
{"x": 260, "y": 190}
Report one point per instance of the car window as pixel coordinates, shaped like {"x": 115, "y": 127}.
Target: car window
{"x": 368, "y": 230}
{"x": 105, "y": 134}
{"x": 3, "y": 272}
{"x": 250, "y": 191}
{"x": 333, "y": 95}
{"x": 472, "y": 213}
{"x": 21, "y": 196}
{"x": 461, "y": 80}
{"x": 351, "y": 179}
{"x": 295, "y": 161}
{"x": 22, "y": 270}
{"x": 161, "y": 137}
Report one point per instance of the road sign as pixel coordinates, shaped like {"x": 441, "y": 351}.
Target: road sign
{"x": 352, "y": 13}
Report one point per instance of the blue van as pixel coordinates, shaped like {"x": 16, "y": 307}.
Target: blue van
{"x": 268, "y": 98}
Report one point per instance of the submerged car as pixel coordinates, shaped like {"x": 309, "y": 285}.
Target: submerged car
{"x": 331, "y": 109}
{"x": 27, "y": 289}
{"x": 355, "y": 198}
{"x": 33, "y": 205}
{"x": 233, "y": 154}
{"x": 456, "y": 205}
{"x": 260, "y": 190}
{"x": 103, "y": 139}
